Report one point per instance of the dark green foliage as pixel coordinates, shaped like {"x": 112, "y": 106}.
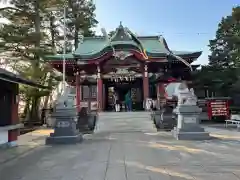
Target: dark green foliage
{"x": 222, "y": 73}
{"x": 225, "y": 47}
{"x": 81, "y": 19}
{"x": 111, "y": 33}
{"x": 33, "y": 32}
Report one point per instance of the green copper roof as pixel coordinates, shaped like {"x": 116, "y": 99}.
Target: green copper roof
{"x": 91, "y": 46}
{"x": 187, "y": 53}
{"x": 123, "y": 39}
{"x": 153, "y": 45}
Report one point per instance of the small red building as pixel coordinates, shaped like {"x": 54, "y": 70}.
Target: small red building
{"x": 9, "y": 99}
{"x": 121, "y": 63}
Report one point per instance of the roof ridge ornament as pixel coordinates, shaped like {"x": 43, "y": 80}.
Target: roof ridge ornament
{"x": 104, "y": 32}
{"x": 120, "y": 25}
{"x": 109, "y": 39}
{"x": 122, "y": 55}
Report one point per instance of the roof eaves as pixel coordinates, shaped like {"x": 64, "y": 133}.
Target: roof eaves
{"x": 148, "y": 37}
{"x": 190, "y": 54}
{"x": 60, "y": 56}
{"x": 14, "y": 78}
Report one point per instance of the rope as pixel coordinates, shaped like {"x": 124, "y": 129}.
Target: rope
{"x": 143, "y": 50}
{"x": 163, "y": 41}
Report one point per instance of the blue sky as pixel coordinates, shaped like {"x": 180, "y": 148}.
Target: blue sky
{"x": 185, "y": 24}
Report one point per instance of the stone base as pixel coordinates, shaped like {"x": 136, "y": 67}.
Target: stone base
{"x": 64, "y": 139}
{"x": 163, "y": 122}
{"x": 92, "y": 122}
{"x": 187, "y": 135}
{"x": 9, "y": 145}
{"x": 12, "y": 144}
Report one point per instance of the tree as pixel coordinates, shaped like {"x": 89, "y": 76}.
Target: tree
{"x": 81, "y": 19}
{"x": 225, "y": 47}
{"x": 224, "y": 61}
{"x": 111, "y": 33}
{"x": 25, "y": 39}
{"x": 215, "y": 79}
{"x": 34, "y": 32}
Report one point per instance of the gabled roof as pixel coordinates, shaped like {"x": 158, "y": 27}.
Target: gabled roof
{"x": 123, "y": 39}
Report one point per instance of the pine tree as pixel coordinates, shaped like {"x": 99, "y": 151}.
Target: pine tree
{"x": 225, "y": 48}
{"x": 34, "y": 32}
{"x": 224, "y": 60}
{"x": 25, "y": 39}
{"x": 81, "y": 14}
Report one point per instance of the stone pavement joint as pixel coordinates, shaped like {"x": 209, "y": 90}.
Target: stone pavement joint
{"x": 108, "y": 159}
{"x": 127, "y": 150}
{"x": 26, "y": 143}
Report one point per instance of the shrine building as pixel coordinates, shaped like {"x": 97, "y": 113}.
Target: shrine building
{"x": 121, "y": 63}
{"x": 10, "y": 124}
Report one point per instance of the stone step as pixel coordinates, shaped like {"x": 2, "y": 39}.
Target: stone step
{"x": 118, "y": 113}
{"x": 124, "y": 114}
{"x": 126, "y": 118}
{"x": 124, "y": 122}
{"x": 116, "y": 117}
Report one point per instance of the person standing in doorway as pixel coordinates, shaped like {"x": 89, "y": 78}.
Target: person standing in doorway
{"x": 116, "y": 102}
{"x": 128, "y": 101}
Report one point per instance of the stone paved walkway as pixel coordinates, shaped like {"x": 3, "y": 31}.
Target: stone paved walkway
{"x": 120, "y": 154}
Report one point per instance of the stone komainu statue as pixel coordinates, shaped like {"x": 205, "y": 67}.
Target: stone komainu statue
{"x": 187, "y": 97}
{"x": 165, "y": 118}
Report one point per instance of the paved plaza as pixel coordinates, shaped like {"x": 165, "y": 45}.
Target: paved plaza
{"x": 124, "y": 150}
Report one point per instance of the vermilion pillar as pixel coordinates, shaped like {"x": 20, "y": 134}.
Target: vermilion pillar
{"x": 14, "y": 133}
{"x": 78, "y": 92}
{"x": 99, "y": 90}
{"x": 145, "y": 83}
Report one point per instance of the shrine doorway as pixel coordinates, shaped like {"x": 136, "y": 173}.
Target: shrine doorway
{"x": 121, "y": 88}
{"x": 122, "y": 91}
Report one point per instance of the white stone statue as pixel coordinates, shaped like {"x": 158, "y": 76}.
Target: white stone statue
{"x": 191, "y": 99}
{"x": 181, "y": 92}
{"x": 185, "y": 96}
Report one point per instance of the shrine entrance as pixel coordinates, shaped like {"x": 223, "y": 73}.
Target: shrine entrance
{"x": 121, "y": 88}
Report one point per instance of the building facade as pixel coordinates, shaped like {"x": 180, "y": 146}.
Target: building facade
{"x": 125, "y": 62}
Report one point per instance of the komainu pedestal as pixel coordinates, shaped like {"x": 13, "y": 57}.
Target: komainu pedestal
{"x": 65, "y": 131}
{"x": 188, "y": 127}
